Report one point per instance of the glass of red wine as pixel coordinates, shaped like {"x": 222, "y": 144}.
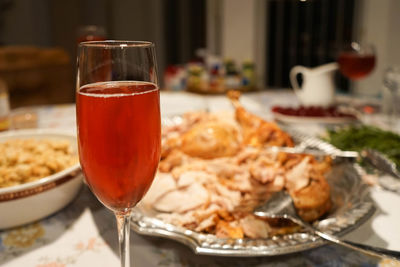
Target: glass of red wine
{"x": 356, "y": 60}
{"x": 91, "y": 33}
{"x": 119, "y": 125}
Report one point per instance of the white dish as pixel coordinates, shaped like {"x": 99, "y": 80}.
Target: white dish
{"x": 29, "y": 202}
{"x": 308, "y": 119}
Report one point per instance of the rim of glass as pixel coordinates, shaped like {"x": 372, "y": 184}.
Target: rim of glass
{"x": 116, "y": 44}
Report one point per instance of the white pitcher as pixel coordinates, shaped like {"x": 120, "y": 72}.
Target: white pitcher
{"x": 318, "y": 87}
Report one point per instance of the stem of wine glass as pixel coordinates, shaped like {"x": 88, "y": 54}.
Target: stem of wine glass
{"x": 123, "y": 223}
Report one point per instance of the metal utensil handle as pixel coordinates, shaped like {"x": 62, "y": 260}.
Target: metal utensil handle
{"x": 369, "y": 250}
{"x": 380, "y": 162}
{"x": 393, "y": 253}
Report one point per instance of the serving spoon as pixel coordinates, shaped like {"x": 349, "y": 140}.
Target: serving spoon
{"x": 280, "y": 205}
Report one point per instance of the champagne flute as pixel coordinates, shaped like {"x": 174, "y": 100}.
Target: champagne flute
{"x": 391, "y": 81}
{"x": 119, "y": 125}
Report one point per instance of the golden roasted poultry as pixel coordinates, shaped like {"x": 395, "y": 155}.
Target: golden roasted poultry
{"x": 256, "y": 131}
{"x": 216, "y": 167}
{"x": 210, "y": 136}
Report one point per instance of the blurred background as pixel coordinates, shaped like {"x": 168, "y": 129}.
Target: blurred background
{"x": 258, "y": 41}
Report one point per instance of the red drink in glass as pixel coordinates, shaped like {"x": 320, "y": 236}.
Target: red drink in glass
{"x": 119, "y": 136}
{"x": 87, "y": 38}
{"x": 354, "y": 65}
{"x": 91, "y": 33}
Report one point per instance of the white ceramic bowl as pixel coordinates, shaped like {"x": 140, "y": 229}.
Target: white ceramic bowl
{"x": 32, "y": 201}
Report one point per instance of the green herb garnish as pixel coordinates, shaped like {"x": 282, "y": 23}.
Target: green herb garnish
{"x": 357, "y": 138}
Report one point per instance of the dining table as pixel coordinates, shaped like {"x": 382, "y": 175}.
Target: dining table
{"x": 84, "y": 232}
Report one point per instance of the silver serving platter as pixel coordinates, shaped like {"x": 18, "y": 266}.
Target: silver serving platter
{"x": 352, "y": 206}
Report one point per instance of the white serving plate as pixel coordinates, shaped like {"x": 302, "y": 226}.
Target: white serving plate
{"x": 29, "y": 202}
{"x": 309, "y": 119}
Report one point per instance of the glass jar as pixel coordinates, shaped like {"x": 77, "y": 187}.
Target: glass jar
{"x": 4, "y": 107}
